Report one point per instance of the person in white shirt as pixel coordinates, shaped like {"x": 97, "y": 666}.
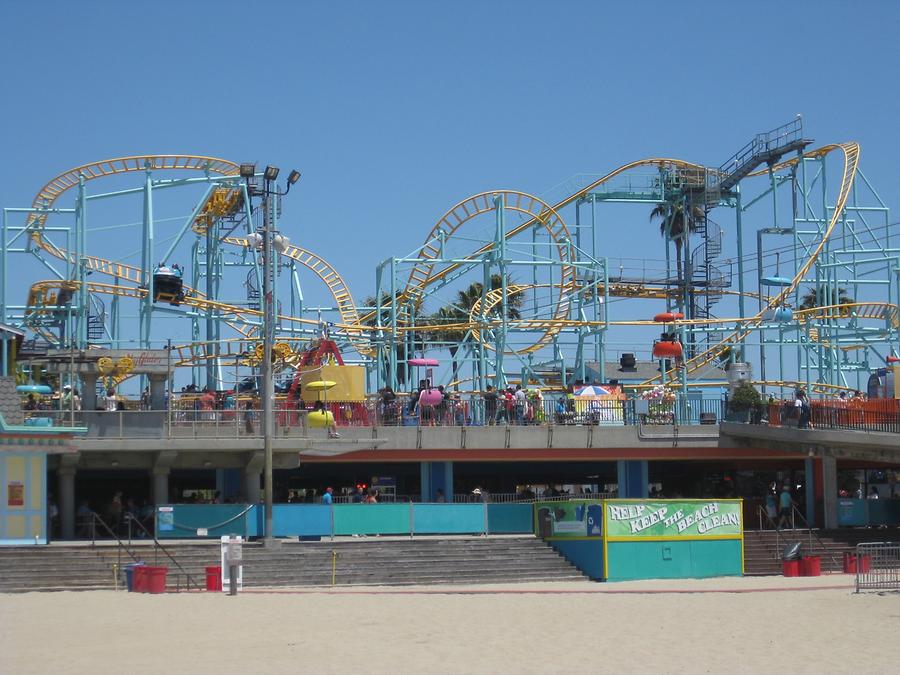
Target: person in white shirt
{"x": 112, "y": 403}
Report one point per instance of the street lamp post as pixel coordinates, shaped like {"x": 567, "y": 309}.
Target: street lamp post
{"x": 268, "y": 381}
{"x": 268, "y": 244}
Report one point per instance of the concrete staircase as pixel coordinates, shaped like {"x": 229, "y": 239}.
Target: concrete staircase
{"x": 364, "y": 561}
{"x": 763, "y": 549}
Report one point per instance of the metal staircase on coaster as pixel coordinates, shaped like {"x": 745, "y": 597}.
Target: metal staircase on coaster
{"x": 252, "y": 289}
{"x": 714, "y": 277}
{"x": 766, "y": 148}
{"x": 96, "y": 325}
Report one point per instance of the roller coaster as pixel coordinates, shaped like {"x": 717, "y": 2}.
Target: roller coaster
{"x": 502, "y": 282}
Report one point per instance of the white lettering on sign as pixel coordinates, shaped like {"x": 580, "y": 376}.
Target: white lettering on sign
{"x": 717, "y": 521}
{"x": 626, "y": 512}
{"x": 706, "y": 517}
{"x": 644, "y": 522}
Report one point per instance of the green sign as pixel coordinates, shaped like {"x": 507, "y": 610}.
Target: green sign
{"x": 568, "y": 519}
{"x": 644, "y": 518}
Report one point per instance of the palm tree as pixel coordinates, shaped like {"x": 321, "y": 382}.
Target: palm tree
{"x": 672, "y": 226}
{"x": 815, "y": 297}
{"x": 458, "y": 312}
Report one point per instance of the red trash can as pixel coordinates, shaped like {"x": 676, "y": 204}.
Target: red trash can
{"x": 811, "y": 566}
{"x": 791, "y": 568}
{"x": 156, "y": 579}
{"x": 140, "y": 579}
{"x": 849, "y": 563}
{"x": 214, "y": 578}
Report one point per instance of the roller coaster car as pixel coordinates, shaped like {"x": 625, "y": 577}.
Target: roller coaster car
{"x": 167, "y": 287}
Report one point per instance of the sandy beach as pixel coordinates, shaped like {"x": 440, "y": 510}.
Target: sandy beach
{"x": 692, "y": 626}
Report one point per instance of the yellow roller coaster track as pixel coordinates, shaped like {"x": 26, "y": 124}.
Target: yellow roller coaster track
{"x": 350, "y": 320}
{"x": 851, "y": 162}
{"x": 103, "y": 169}
{"x": 880, "y": 311}
{"x": 485, "y": 202}
{"x": 220, "y": 201}
{"x": 423, "y": 275}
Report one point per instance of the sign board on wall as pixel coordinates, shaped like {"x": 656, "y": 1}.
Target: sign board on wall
{"x": 165, "y": 518}
{"x": 568, "y": 519}
{"x": 148, "y": 361}
{"x": 624, "y": 518}
{"x": 15, "y": 493}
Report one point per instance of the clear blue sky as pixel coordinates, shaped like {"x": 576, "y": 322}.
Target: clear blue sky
{"x": 394, "y": 111}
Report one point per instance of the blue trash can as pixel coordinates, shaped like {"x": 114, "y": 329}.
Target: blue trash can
{"x": 129, "y": 574}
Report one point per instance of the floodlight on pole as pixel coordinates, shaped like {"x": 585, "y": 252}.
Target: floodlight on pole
{"x": 293, "y": 177}
{"x": 280, "y": 242}
{"x": 248, "y": 170}
{"x": 271, "y": 172}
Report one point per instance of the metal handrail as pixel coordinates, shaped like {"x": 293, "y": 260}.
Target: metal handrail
{"x": 120, "y": 545}
{"x": 157, "y": 545}
{"x": 779, "y": 544}
{"x": 812, "y": 535}
{"x": 217, "y": 525}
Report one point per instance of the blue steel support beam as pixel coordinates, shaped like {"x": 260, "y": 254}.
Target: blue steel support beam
{"x": 83, "y": 308}
{"x": 147, "y": 264}
{"x": 187, "y": 224}
{"x": 500, "y": 245}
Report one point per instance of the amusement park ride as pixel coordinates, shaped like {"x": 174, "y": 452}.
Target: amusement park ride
{"x": 526, "y": 295}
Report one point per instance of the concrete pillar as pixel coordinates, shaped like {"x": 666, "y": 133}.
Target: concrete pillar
{"x": 157, "y": 392}
{"x": 634, "y": 479}
{"x": 66, "y": 475}
{"x": 809, "y": 482}
{"x": 89, "y": 391}
{"x": 829, "y": 491}
{"x": 160, "y": 486}
{"x": 436, "y": 476}
{"x": 251, "y": 487}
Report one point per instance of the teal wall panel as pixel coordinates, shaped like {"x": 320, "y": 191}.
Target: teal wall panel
{"x": 371, "y": 519}
{"x": 586, "y": 555}
{"x": 301, "y": 520}
{"x": 183, "y": 521}
{"x": 673, "y": 559}
{"x": 438, "y": 519}
{"x": 510, "y": 518}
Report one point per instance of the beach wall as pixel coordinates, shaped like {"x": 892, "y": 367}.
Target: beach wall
{"x": 629, "y": 539}
{"x": 199, "y": 521}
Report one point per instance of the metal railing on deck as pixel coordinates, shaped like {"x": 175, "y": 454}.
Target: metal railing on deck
{"x": 544, "y": 412}
{"x": 879, "y": 415}
{"x": 291, "y": 420}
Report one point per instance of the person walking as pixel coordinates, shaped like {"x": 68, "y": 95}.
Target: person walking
{"x": 771, "y": 505}
{"x": 802, "y": 403}
{"x": 785, "y": 504}
{"x": 248, "y": 418}
{"x": 327, "y": 498}
{"x": 490, "y": 406}
{"x": 521, "y": 401}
